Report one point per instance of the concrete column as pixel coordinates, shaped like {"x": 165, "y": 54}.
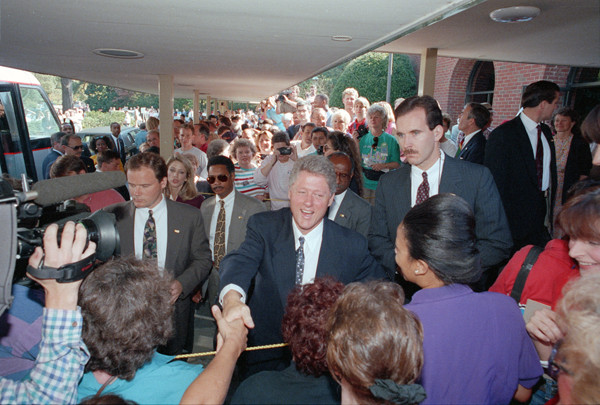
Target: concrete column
{"x": 196, "y": 106}
{"x": 208, "y": 103}
{"x": 165, "y": 99}
{"x": 427, "y": 73}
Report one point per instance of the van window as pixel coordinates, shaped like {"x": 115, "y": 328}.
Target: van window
{"x": 39, "y": 118}
{"x": 12, "y": 160}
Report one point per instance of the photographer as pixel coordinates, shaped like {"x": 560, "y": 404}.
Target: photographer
{"x": 63, "y": 355}
{"x": 275, "y": 169}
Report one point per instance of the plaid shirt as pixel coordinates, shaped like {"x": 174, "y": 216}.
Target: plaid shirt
{"x": 59, "y": 366}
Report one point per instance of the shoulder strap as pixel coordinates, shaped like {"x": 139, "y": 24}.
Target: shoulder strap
{"x": 521, "y": 279}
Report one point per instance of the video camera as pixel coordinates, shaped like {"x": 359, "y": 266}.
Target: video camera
{"x": 26, "y": 215}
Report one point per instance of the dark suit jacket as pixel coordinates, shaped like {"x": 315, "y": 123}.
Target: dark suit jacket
{"x": 268, "y": 255}
{"x": 474, "y": 151}
{"x": 121, "y": 149}
{"x": 509, "y": 156}
{"x": 188, "y": 256}
{"x": 243, "y": 208}
{"x": 470, "y": 181}
{"x": 354, "y": 213}
{"x": 47, "y": 163}
{"x": 579, "y": 163}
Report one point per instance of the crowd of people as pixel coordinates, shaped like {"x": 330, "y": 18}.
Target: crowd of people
{"x": 399, "y": 263}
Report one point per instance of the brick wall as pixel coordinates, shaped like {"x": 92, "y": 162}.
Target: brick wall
{"x": 452, "y": 76}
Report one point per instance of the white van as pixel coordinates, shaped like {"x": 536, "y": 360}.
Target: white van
{"x": 27, "y": 119}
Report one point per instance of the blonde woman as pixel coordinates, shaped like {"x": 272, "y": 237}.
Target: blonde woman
{"x": 180, "y": 182}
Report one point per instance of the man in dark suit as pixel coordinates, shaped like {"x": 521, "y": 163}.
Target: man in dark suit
{"x": 155, "y": 228}
{"x": 72, "y": 145}
{"x": 419, "y": 127}
{"x": 520, "y": 155}
{"x": 237, "y": 208}
{"x": 347, "y": 208}
{"x": 473, "y": 119}
{"x": 56, "y": 152}
{"x": 288, "y": 247}
{"x": 115, "y": 130}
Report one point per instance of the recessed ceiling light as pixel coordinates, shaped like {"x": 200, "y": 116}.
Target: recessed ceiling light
{"x": 341, "y": 38}
{"x": 118, "y": 53}
{"x": 515, "y": 14}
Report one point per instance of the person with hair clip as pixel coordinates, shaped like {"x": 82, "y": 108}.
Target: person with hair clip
{"x": 475, "y": 345}
{"x": 181, "y": 186}
{"x": 375, "y": 346}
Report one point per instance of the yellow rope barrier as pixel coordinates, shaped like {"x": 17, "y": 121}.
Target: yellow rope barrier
{"x": 248, "y": 349}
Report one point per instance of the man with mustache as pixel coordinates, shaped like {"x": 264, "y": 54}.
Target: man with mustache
{"x": 430, "y": 172}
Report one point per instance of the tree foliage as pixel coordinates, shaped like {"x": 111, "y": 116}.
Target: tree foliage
{"x": 94, "y": 119}
{"x": 368, "y": 75}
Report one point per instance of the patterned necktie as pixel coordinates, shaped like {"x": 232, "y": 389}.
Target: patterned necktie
{"x": 423, "y": 190}
{"x": 300, "y": 261}
{"x": 539, "y": 157}
{"x": 461, "y": 143}
{"x": 150, "y": 250}
{"x": 219, "y": 245}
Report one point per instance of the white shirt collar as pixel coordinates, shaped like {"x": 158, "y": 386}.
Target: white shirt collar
{"x": 158, "y": 208}
{"x": 312, "y": 238}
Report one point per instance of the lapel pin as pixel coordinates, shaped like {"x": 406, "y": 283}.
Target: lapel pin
{"x": 176, "y": 230}
{"x": 342, "y": 216}
{"x": 240, "y": 217}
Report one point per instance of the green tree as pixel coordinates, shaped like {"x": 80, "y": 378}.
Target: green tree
{"x": 368, "y": 75}
{"x": 100, "y": 97}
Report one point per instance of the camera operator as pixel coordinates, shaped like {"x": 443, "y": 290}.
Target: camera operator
{"x": 63, "y": 355}
{"x": 275, "y": 169}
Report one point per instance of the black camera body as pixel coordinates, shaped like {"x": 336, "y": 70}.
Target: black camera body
{"x": 285, "y": 151}
{"x": 286, "y": 93}
{"x": 362, "y": 131}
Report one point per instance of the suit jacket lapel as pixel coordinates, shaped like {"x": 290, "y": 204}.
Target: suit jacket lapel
{"x": 450, "y": 181}
{"x": 125, "y": 225}
{"x": 400, "y": 198}
{"x": 284, "y": 259}
{"x": 174, "y": 229}
{"x": 523, "y": 146}
{"x": 237, "y": 217}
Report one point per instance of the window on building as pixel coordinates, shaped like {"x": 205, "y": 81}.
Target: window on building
{"x": 480, "y": 88}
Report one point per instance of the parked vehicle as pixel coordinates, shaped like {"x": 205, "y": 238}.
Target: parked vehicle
{"x": 127, "y": 135}
{"x": 27, "y": 119}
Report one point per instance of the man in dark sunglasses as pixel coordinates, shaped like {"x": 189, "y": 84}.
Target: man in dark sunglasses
{"x": 73, "y": 146}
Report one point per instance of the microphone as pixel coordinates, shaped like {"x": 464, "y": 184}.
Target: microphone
{"x": 54, "y": 191}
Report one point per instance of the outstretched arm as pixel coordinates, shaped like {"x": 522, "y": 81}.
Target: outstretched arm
{"x": 211, "y": 386}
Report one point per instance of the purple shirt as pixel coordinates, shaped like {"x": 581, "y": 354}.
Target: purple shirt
{"x": 475, "y": 344}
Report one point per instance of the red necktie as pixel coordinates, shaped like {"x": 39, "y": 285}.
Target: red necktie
{"x": 423, "y": 190}
{"x": 539, "y": 157}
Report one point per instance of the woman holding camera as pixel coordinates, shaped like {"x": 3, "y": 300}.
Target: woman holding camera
{"x": 274, "y": 172}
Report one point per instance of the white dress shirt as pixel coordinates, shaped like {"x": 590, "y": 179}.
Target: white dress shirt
{"x": 335, "y": 205}
{"x": 229, "y": 201}
{"x": 467, "y": 139}
{"x": 159, "y": 212}
{"x": 312, "y": 249}
{"x": 532, "y": 132}
{"x": 434, "y": 176}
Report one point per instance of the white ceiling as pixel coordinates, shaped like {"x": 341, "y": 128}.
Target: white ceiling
{"x": 567, "y": 32}
{"x": 241, "y": 50}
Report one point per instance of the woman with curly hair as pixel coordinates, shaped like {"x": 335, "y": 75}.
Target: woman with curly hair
{"x": 304, "y": 326}
{"x": 375, "y": 348}
{"x": 181, "y": 185}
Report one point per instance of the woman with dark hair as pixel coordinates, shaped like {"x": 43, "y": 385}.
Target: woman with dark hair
{"x": 338, "y": 142}
{"x": 181, "y": 185}
{"x": 475, "y": 344}
{"x": 590, "y": 129}
{"x": 573, "y": 155}
{"x": 375, "y": 348}
{"x": 101, "y": 144}
{"x": 304, "y": 326}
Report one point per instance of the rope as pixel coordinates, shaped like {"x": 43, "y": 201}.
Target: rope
{"x": 248, "y": 349}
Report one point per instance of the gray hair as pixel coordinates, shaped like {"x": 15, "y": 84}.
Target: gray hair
{"x": 216, "y": 148}
{"x": 315, "y": 164}
{"x": 377, "y": 108}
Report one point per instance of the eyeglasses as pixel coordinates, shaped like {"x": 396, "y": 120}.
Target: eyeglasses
{"x": 78, "y": 147}
{"x": 221, "y": 177}
{"x": 554, "y": 368}
{"x": 375, "y": 142}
